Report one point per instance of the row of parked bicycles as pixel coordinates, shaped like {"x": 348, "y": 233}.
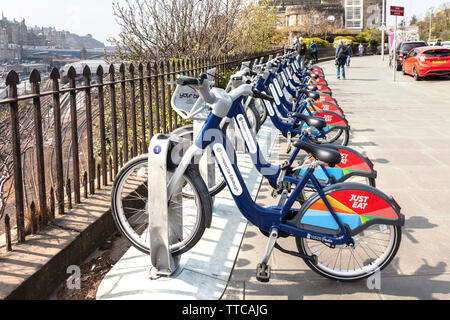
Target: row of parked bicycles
{"x": 345, "y": 228}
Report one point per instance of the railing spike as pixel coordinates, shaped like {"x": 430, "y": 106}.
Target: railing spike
{"x": 35, "y": 76}
{"x": 54, "y": 75}
{"x": 100, "y": 71}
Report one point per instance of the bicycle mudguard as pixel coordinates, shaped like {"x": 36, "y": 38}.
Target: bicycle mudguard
{"x": 326, "y": 106}
{"x": 334, "y": 121}
{"x": 358, "y": 207}
{"x": 327, "y": 98}
{"x": 319, "y": 81}
{"x": 316, "y": 68}
{"x": 318, "y": 71}
{"x": 353, "y": 164}
{"x": 323, "y": 89}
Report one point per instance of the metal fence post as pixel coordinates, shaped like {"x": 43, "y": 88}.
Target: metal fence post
{"x": 90, "y": 137}
{"x": 74, "y": 128}
{"x": 55, "y": 76}
{"x": 12, "y": 80}
{"x": 102, "y": 125}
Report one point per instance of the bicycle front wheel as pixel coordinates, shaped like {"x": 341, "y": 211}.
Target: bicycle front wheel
{"x": 130, "y": 206}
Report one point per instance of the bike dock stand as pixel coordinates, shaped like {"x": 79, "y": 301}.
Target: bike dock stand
{"x": 161, "y": 221}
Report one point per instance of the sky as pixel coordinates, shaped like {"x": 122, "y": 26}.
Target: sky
{"x": 96, "y": 16}
{"x": 412, "y": 7}
{"x": 77, "y": 16}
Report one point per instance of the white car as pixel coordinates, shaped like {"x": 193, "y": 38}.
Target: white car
{"x": 445, "y": 44}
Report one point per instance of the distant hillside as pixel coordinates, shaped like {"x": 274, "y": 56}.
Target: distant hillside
{"x": 74, "y": 41}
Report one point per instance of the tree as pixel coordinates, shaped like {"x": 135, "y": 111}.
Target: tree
{"x": 162, "y": 29}
{"x": 256, "y": 29}
{"x": 440, "y": 23}
{"x": 413, "y": 20}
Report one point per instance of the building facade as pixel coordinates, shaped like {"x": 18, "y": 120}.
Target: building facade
{"x": 339, "y": 14}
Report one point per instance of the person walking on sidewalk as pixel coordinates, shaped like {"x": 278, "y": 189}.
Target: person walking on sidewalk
{"x": 361, "y": 50}
{"x": 301, "y": 50}
{"x": 315, "y": 51}
{"x": 341, "y": 59}
{"x": 349, "y": 52}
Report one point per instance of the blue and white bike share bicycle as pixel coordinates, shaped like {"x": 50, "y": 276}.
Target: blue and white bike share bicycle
{"x": 344, "y": 231}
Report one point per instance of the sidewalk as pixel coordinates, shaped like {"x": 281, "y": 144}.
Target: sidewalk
{"x": 403, "y": 128}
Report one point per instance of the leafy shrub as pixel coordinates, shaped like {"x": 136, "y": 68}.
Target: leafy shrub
{"x": 363, "y": 37}
{"x": 320, "y": 42}
{"x": 349, "y": 39}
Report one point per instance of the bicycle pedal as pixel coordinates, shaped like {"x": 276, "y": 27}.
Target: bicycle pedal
{"x": 263, "y": 273}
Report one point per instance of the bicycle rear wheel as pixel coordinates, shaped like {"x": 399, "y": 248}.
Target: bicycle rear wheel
{"x": 129, "y": 204}
{"x": 375, "y": 248}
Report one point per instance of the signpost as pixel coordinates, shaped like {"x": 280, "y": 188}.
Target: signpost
{"x": 397, "y": 12}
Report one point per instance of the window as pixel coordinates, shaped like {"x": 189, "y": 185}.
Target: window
{"x": 292, "y": 20}
{"x": 315, "y": 19}
{"x": 439, "y": 53}
{"x": 353, "y": 14}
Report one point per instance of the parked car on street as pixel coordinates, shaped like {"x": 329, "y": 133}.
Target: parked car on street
{"x": 445, "y": 44}
{"x": 404, "y": 48}
{"x": 427, "y": 61}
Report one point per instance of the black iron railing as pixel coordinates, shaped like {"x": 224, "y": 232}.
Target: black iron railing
{"x": 82, "y": 134}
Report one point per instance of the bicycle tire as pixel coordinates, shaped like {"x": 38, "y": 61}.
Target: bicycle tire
{"x": 203, "y": 201}
{"x": 254, "y": 118}
{"x": 301, "y": 246}
{"x": 331, "y": 261}
{"x": 262, "y": 111}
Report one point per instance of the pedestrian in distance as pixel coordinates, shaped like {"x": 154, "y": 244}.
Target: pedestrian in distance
{"x": 349, "y": 52}
{"x": 315, "y": 51}
{"x": 361, "y": 50}
{"x": 301, "y": 50}
{"x": 341, "y": 59}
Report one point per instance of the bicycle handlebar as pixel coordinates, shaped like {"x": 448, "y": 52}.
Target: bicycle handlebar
{"x": 188, "y": 81}
{"x": 263, "y": 96}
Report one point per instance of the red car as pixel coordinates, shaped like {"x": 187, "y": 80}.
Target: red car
{"x": 427, "y": 61}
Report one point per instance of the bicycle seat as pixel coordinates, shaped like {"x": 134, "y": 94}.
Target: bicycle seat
{"x": 321, "y": 153}
{"x": 310, "y": 94}
{"x": 316, "y": 122}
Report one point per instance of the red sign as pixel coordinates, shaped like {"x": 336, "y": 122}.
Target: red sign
{"x": 397, "y": 11}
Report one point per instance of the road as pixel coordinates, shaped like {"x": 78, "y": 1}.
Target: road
{"x": 404, "y": 128}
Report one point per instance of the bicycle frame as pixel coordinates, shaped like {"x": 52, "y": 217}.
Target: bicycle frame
{"x": 264, "y": 218}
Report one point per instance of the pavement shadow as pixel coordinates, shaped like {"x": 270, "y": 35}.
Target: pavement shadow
{"x": 297, "y": 284}
{"x": 363, "y": 130}
{"x": 436, "y": 78}
{"x": 380, "y": 161}
{"x": 417, "y": 223}
{"x": 350, "y": 79}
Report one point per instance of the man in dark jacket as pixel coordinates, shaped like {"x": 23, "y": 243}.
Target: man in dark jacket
{"x": 301, "y": 50}
{"x": 341, "y": 59}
